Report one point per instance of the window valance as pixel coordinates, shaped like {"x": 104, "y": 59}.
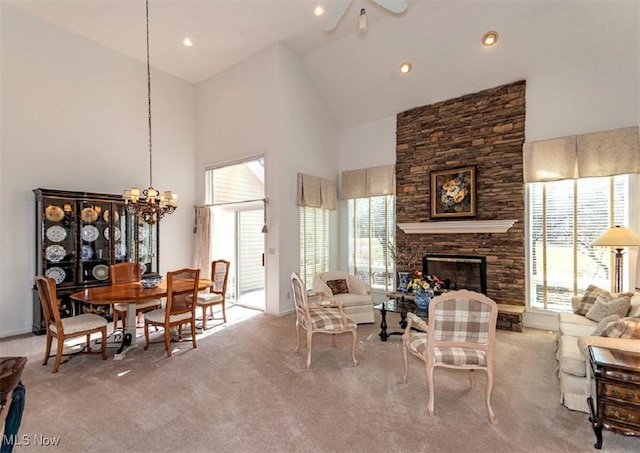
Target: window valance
{"x": 368, "y": 182}
{"x": 605, "y": 153}
{"x": 317, "y": 192}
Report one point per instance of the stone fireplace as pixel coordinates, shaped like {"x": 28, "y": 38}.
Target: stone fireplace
{"x": 486, "y": 130}
{"x": 458, "y": 271}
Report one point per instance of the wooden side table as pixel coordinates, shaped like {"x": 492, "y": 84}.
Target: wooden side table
{"x": 617, "y": 392}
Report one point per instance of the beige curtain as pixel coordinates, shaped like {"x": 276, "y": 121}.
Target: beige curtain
{"x": 317, "y": 192}
{"x": 202, "y": 242}
{"x": 550, "y": 160}
{"x": 354, "y": 184}
{"x": 605, "y": 153}
{"x": 368, "y": 182}
{"x": 608, "y": 153}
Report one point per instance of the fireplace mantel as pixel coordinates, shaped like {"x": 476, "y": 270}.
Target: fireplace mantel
{"x": 458, "y": 227}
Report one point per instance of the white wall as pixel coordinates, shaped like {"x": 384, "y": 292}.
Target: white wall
{"x": 268, "y": 105}
{"x": 74, "y": 117}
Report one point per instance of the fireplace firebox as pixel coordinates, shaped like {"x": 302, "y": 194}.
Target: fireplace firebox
{"x": 458, "y": 271}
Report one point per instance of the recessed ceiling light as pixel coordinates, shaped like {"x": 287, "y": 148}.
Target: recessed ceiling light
{"x": 405, "y": 67}
{"x": 318, "y": 11}
{"x": 490, "y": 38}
{"x": 187, "y": 42}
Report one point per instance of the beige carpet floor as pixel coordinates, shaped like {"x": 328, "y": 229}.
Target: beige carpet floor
{"x": 244, "y": 390}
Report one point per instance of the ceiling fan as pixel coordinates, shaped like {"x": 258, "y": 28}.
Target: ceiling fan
{"x": 395, "y": 6}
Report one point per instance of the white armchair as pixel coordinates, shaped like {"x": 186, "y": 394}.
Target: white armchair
{"x": 353, "y": 293}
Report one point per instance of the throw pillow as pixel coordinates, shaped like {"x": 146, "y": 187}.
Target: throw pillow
{"x": 604, "y": 323}
{"x": 623, "y": 328}
{"x": 338, "y": 286}
{"x": 603, "y": 308}
{"x": 589, "y": 298}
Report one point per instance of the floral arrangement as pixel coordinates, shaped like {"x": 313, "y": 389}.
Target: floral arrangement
{"x": 421, "y": 284}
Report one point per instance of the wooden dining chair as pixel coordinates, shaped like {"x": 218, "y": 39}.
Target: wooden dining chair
{"x": 127, "y": 273}
{"x": 64, "y": 328}
{"x": 179, "y": 309}
{"x": 216, "y": 295}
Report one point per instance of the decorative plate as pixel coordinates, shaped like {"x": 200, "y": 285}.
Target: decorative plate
{"x": 56, "y": 233}
{"x": 56, "y": 273}
{"x": 106, "y": 214}
{"x": 116, "y": 234}
{"x": 142, "y": 233}
{"x": 120, "y": 251}
{"x": 89, "y": 233}
{"x": 101, "y": 272}
{"x": 87, "y": 252}
{"x": 54, "y": 213}
{"x": 89, "y": 215}
{"x": 143, "y": 253}
{"x": 55, "y": 253}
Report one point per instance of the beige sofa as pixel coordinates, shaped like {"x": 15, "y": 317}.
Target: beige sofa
{"x": 357, "y": 303}
{"x": 573, "y": 366}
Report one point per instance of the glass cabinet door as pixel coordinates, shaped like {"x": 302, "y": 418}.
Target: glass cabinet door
{"x": 146, "y": 245}
{"x": 95, "y": 240}
{"x": 58, "y": 241}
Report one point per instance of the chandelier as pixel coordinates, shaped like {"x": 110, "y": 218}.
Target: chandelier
{"x": 149, "y": 205}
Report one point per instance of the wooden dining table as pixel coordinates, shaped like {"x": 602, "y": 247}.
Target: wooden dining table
{"x": 132, "y": 294}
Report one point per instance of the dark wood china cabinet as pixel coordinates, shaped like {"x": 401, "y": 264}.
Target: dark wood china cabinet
{"x": 79, "y": 235}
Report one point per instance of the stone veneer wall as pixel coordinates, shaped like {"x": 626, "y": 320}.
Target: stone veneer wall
{"x": 484, "y": 129}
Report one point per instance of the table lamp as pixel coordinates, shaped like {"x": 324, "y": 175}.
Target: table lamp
{"x": 618, "y": 238}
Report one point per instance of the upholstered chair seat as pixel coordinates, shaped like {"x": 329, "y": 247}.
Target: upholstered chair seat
{"x": 327, "y": 320}
{"x": 158, "y": 316}
{"x": 87, "y": 321}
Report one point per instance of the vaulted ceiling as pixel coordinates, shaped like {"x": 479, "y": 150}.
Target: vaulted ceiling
{"x": 357, "y": 72}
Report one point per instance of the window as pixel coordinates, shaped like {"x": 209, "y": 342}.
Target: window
{"x": 370, "y": 234}
{"x": 565, "y": 217}
{"x": 314, "y": 243}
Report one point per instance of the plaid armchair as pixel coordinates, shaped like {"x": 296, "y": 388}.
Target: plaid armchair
{"x": 328, "y": 318}
{"x": 460, "y": 335}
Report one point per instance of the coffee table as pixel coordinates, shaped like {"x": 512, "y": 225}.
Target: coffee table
{"x": 397, "y": 305}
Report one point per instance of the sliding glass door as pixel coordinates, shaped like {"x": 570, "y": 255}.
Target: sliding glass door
{"x": 236, "y": 193}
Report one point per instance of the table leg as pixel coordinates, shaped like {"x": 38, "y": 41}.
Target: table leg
{"x": 403, "y": 319}
{"x": 383, "y": 323}
{"x": 595, "y": 424}
{"x": 129, "y": 339}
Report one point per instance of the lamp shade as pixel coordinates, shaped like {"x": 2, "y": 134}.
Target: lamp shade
{"x": 618, "y": 236}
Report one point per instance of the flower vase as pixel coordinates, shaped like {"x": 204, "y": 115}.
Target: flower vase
{"x": 404, "y": 279}
{"x": 422, "y": 299}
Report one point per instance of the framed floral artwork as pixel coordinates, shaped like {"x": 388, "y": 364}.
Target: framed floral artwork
{"x": 453, "y": 192}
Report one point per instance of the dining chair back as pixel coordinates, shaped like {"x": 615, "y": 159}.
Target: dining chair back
{"x": 217, "y": 292}
{"x": 127, "y": 273}
{"x": 180, "y": 309}
{"x": 460, "y": 334}
{"x": 313, "y": 318}
{"x": 64, "y": 328}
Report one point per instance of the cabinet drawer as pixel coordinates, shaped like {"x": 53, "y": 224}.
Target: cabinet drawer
{"x": 622, "y": 375}
{"x": 621, "y": 392}
{"x": 625, "y": 414}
